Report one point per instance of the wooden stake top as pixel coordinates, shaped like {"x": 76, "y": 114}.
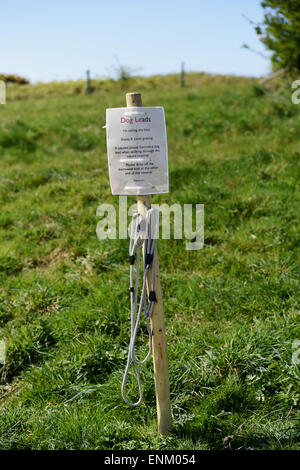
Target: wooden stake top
{"x": 133, "y": 99}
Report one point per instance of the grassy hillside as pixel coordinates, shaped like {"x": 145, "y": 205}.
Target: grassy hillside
{"x": 155, "y": 82}
{"x": 231, "y": 309}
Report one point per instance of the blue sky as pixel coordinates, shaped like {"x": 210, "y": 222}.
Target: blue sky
{"x": 46, "y": 40}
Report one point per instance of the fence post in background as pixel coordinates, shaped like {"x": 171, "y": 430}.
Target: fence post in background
{"x": 2, "y": 92}
{"x": 88, "y": 83}
{"x": 182, "y": 74}
{"x": 159, "y": 342}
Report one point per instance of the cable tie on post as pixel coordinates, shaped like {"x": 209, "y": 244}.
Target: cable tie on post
{"x": 131, "y": 259}
{"x": 131, "y": 289}
{"x": 149, "y": 259}
{"x": 152, "y": 296}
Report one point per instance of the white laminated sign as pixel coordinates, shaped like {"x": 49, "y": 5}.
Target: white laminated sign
{"x": 137, "y": 150}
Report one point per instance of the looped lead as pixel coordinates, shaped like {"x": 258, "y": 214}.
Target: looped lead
{"x": 138, "y": 238}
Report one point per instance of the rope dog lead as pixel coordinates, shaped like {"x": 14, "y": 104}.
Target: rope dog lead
{"x": 138, "y": 238}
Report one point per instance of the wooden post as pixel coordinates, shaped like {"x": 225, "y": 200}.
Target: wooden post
{"x": 159, "y": 343}
{"x": 182, "y": 74}
{"x": 88, "y": 83}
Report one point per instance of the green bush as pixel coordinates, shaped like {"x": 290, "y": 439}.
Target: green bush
{"x": 280, "y": 32}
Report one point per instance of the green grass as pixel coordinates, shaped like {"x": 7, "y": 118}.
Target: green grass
{"x": 232, "y": 309}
